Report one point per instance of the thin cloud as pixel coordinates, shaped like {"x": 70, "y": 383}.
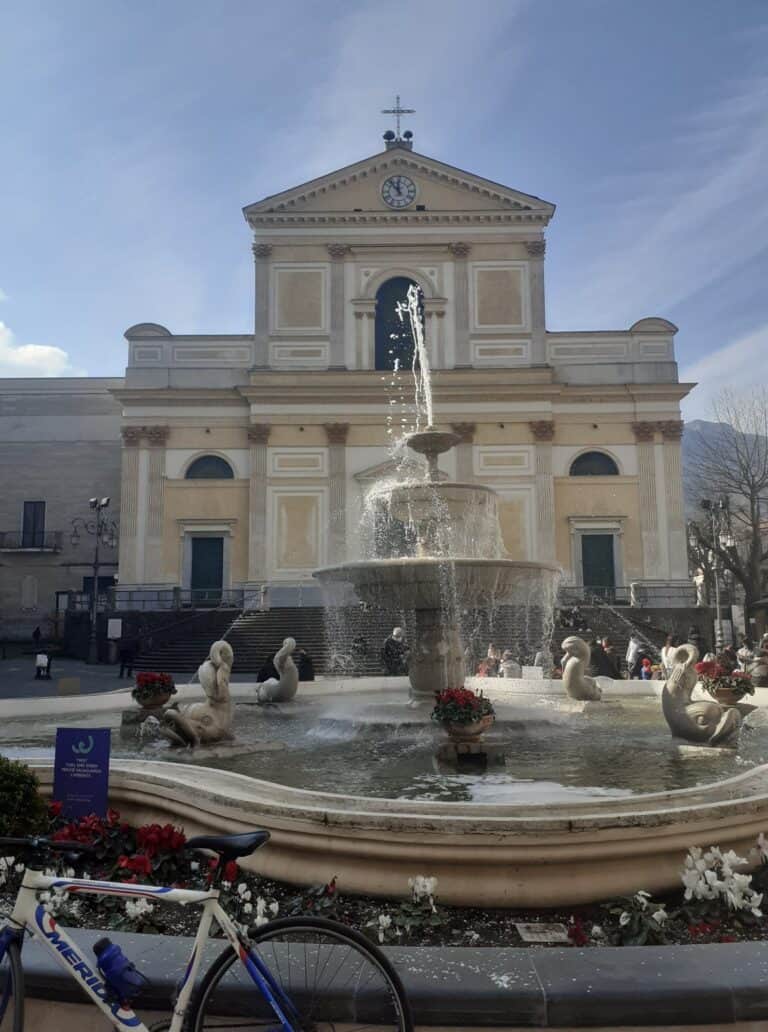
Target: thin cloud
{"x": 32, "y": 359}
{"x": 737, "y": 365}
{"x": 687, "y": 227}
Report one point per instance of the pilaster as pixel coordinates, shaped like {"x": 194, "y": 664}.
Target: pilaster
{"x": 465, "y": 472}
{"x": 543, "y": 432}
{"x": 671, "y": 434}
{"x": 129, "y": 492}
{"x": 338, "y": 254}
{"x": 261, "y": 257}
{"x": 337, "y": 434}
{"x": 645, "y": 436}
{"x": 258, "y": 436}
{"x": 157, "y": 438}
{"x": 536, "y": 250}
{"x": 460, "y": 252}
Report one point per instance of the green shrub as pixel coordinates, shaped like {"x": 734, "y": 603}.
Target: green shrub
{"x": 22, "y": 808}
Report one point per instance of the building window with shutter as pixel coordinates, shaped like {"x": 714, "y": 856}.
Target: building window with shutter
{"x": 33, "y": 525}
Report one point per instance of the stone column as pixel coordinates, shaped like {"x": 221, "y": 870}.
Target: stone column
{"x": 536, "y": 250}
{"x": 460, "y": 252}
{"x": 338, "y": 253}
{"x": 129, "y": 498}
{"x": 465, "y": 471}
{"x": 258, "y": 436}
{"x": 671, "y": 433}
{"x": 337, "y": 434}
{"x": 543, "y": 431}
{"x": 645, "y": 435}
{"x": 261, "y": 256}
{"x": 154, "y": 568}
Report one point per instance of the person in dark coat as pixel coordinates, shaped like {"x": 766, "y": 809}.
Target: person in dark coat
{"x": 36, "y": 636}
{"x": 127, "y": 655}
{"x": 268, "y": 670}
{"x": 394, "y": 654}
{"x": 304, "y": 665}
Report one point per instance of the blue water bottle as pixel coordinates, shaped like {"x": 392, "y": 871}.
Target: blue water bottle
{"x": 117, "y": 971}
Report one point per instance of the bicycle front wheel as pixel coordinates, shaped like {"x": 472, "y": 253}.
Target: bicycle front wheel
{"x": 11, "y": 990}
{"x": 331, "y": 976}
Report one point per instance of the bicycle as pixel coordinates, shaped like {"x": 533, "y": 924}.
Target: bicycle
{"x": 304, "y": 974}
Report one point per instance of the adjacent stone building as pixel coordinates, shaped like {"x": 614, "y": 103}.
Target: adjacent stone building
{"x": 59, "y": 447}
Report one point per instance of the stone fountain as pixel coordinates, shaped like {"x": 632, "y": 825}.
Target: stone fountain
{"x": 451, "y": 558}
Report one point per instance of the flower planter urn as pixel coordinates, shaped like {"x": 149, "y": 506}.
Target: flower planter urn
{"x": 468, "y": 732}
{"x": 155, "y": 701}
{"x": 727, "y": 696}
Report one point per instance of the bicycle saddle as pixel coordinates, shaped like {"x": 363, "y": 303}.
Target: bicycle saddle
{"x": 230, "y": 846}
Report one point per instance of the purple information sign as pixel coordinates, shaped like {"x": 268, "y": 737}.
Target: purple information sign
{"x": 81, "y": 770}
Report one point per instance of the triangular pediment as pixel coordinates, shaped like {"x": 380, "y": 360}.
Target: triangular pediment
{"x": 354, "y": 194}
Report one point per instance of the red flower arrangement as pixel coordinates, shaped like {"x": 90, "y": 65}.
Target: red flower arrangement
{"x": 150, "y": 684}
{"x": 716, "y": 678}
{"x": 460, "y": 706}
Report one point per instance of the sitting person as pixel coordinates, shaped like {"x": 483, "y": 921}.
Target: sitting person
{"x": 509, "y": 666}
{"x": 493, "y": 659}
{"x": 646, "y": 670}
{"x": 394, "y": 654}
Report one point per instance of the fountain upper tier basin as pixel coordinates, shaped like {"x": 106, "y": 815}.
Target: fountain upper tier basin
{"x": 423, "y": 582}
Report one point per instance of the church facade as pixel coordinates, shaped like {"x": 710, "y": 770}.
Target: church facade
{"x": 246, "y": 459}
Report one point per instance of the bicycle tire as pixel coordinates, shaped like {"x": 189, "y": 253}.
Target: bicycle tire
{"x": 11, "y": 990}
{"x": 344, "y": 1002}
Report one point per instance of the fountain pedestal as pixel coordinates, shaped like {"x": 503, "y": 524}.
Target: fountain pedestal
{"x": 436, "y": 660}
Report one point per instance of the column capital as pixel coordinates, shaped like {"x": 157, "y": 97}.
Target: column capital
{"x": 338, "y": 251}
{"x": 460, "y": 249}
{"x": 542, "y": 429}
{"x": 262, "y": 250}
{"x": 536, "y": 248}
{"x": 157, "y": 435}
{"x": 131, "y": 436}
{"x": 671, "y": 429}
{"x": 466, "y": 431}
{"x": 258, "y": 433}
{"x": 336, "y": 432}
{"x": 644, "y": 432}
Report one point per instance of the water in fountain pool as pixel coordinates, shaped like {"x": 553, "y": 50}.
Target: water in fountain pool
{"x": 375, "y": 746}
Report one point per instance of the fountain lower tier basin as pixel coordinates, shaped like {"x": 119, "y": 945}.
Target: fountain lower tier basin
{"x": 428, "y": 582}
{"x": 482, "y": 855}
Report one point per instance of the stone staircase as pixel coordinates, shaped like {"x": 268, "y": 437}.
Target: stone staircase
{"x": 605, "y": 621}
{"x": 182, "y": 646}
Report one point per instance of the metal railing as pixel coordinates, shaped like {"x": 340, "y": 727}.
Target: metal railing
{"x": 638, "y": 594}
{"x": 570, "y": 594}
{"x": 30, "y": 541}
{"x": 145, "y": 599}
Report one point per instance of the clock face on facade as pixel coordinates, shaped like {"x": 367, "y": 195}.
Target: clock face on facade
{"x": 398, "y": 191}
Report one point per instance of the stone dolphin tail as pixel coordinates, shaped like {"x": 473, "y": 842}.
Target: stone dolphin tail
{"x": 576, "y": 683}
{"x": 704, "y": 722}
{"x": 282, "y": 690}
{"x": 202, "y": 723}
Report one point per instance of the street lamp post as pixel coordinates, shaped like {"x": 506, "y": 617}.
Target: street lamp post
{"x": 104, "y": 531}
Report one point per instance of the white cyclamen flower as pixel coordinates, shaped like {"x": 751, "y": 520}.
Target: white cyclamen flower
{"x": 136, "y": 908}
{"x": 624, "y": 918}
{"x": 274, "y": 909}
{"x": 247, "y": 908}
{"x": 660, "y": 916}
{"x": 641, "y": 898}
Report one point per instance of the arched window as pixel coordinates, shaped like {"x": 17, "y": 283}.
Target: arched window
{"x": 393, "y": 334}
{"x": 594, "y": 464}
{"x": 210, "y": 467}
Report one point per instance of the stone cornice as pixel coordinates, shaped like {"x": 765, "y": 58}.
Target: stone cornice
{"x": 152, "y": 435}
{"x": 388, "y": 218}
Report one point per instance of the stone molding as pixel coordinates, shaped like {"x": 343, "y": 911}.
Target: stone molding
{"x": 460, "y": 249}
{"x": 671, "y": 429}
{"x": 536, "y": 248}
{"x": 262, "y": 250}
{"x": 542, "y": 429}
{"x": 644, "y": 431}
{"x": 153, "y": 435}
{"x": 465, "y": 431}
{"x": 338, "y": 252}
{"x": 336, "y": 433}
{"x": 258, "y": 433}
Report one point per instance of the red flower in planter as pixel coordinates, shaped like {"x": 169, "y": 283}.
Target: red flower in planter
{"x": 139, "y": 864}
{"x": 54, "y": 809}
{"x": 230, "y": 871}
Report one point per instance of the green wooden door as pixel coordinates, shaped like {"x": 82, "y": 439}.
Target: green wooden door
{"x": 598, "y": 570}
{"x": 207, "y": 570}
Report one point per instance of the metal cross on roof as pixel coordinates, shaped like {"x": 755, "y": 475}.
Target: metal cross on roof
{"x": 397, "y": 111}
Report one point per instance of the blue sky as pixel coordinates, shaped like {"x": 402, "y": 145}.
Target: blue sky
{"x": 134, "y": 132}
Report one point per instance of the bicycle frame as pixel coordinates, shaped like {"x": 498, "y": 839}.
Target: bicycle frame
{"x": 30, "y": 915}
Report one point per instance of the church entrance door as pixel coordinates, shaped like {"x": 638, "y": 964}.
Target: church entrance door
{"x": 597, "y": 564}
{"x": 207, "y": 570}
